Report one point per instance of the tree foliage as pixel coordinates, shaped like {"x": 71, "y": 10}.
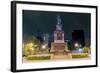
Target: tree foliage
{"x": 31, "y": 45}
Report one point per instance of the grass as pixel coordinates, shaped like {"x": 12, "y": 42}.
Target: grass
{"x": 38, "y": 57}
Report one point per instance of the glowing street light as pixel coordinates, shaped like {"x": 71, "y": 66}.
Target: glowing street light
{"x": 43, "y": 46}
{"x": 76, "y": 45}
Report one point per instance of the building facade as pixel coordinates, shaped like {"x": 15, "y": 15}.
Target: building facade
{"x": 78, "y": 39}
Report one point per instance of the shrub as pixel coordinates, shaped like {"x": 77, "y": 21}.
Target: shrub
{"x": 38, "y": 57}
{"x": 80, "y": 55}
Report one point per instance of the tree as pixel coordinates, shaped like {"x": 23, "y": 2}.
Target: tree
{"x": 31, "y": 45}
{"x": 86, "y": 49}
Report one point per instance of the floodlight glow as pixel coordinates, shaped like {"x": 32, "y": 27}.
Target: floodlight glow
{"x": 43, "y": 46}
{"x": 80, "y": 50}
{"x": 76, "y": 45}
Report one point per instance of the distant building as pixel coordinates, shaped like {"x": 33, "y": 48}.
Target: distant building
{"x": 78, "y": 39}
{"x": 46, "y": 38}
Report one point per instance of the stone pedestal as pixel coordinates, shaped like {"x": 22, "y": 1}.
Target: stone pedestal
{"x": 60, "y": 51}
{"x": 57, "y": 47}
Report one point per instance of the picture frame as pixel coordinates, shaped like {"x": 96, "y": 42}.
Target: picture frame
{"x": 24, "y": 13}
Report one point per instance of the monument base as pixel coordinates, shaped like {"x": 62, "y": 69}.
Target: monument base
{"x": 61, "y": 56}
{"x": 60, "y": 51}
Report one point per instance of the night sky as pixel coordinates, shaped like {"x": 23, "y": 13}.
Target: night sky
{"x": 39, "y": 22}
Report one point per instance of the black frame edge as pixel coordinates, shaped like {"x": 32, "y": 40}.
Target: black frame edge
{"x": 13, "y": 36}
{"x": 55, "y": 4}
{"x": 57, "y": 68}
{"x": 96, "y": 36}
